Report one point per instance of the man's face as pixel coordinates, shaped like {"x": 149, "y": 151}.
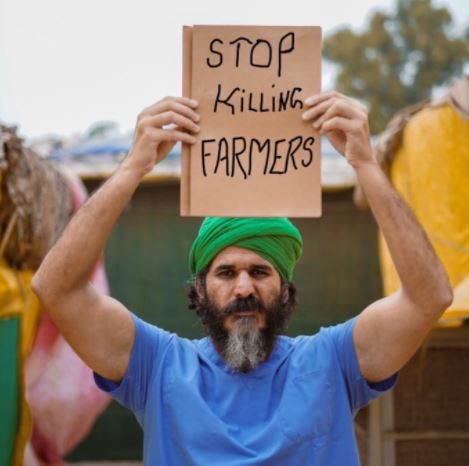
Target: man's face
{"x": 238, "y": 273}
{"x": 245, "y": 307}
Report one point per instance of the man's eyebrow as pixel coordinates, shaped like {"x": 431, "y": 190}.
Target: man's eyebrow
{"x": 263, "y": 267}
{"x": 224, "y": 267}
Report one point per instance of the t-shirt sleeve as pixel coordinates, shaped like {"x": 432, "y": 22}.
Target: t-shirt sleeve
{"x": 146, "y": 356}
{"x": 360, "y": 391}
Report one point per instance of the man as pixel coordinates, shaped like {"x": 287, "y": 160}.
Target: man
{"x": 244, "y": 395}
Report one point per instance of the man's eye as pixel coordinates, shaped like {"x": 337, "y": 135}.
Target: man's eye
{"x": 226, "y": 273}
{"x": 258, "y": 273}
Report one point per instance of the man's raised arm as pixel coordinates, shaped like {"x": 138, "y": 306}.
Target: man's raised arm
{"x": 99, "y": 328}
{"x": 389, "y": 331}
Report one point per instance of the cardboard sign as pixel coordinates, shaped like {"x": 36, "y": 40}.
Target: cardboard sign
{"x": 254, "y": 155}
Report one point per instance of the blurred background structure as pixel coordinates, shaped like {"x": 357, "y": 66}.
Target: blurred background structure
{"x": 96, "y": 66}
{"x": 425, "y": 419}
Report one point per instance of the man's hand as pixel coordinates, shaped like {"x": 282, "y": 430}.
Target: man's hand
{"x": 345, "y": 123}
{"x": 159, "y": 127}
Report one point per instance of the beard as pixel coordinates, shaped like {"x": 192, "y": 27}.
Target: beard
{"x": 245, "y": 346}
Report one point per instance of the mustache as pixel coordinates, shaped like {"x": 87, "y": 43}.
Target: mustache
{"x": 248, "y": 304}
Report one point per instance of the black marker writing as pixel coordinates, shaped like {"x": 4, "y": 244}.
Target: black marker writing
{"x": 308, "y": 142}
{"x": 237, "y": 98}
{"x": 238, "y": 46}
{"x": 269, "y": 54}
{"x": 205, "y": 154}
{"x": 281, "y": 50}
{"x": 261, "y": 52}
{"x": 235, "y": 155}
{"x": 215, "y": 65}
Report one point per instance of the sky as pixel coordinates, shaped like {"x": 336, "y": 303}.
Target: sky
{"x": 65, "y": 64}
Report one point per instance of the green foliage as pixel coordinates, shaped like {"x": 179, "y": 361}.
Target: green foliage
{"x": 398, "y": 59}
{"x": 101, "y": 129}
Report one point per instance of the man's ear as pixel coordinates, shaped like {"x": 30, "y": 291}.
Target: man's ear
{"x": 285, "y": 293}
{"x": 199, "y": 286}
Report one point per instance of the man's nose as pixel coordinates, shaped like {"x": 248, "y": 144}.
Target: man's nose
{"x": 244, "y": 285}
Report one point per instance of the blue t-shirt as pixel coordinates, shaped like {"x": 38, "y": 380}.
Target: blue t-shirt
{"x": 297, "y": 408}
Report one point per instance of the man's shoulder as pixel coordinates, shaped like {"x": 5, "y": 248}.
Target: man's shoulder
{"x": 327, "y": 332}
{"x": 151, "y": 334}
{"x": 321, "y": 344}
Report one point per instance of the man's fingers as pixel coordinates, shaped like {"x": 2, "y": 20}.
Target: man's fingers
{"x": 174, "y": 135}
{"x": 329, "y": 108}
{"x": 317, "y": 110}
{"x": 182, "y": 100}
{"x": 321, "y": 97}
{"x": 168, "y": 118}
{"x": 161, "y": 136}
{"x": 178, "y": 105}
{"x": 338, "y": 123}
{"x": 360, "y": 106}
{"x": 339, "y": 108}
{"x": 317, "y": 104}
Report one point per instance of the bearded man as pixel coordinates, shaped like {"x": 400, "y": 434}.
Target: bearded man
{"x": 246, "y": 394}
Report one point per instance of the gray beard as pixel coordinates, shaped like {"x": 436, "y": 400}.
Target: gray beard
{"x": 245, "y": 347}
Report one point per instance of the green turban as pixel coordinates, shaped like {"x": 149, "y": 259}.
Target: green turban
{"x": 276, "y": 240}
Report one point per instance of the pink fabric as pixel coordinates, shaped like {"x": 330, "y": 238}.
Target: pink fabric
{"x": 60, "y": 389}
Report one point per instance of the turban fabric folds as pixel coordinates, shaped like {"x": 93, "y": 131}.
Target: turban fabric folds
{"x": 275, "y": 239}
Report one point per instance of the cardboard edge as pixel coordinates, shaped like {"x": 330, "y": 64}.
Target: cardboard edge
{"x": 185, "y": 206}
{"x": 321, "y": 44}
{"x": 186, "y": 149}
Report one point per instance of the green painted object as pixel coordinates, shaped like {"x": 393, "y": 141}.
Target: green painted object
{"x": 9, "y": 400}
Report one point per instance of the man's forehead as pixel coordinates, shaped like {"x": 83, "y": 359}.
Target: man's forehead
{"x": 234, "y": 255}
